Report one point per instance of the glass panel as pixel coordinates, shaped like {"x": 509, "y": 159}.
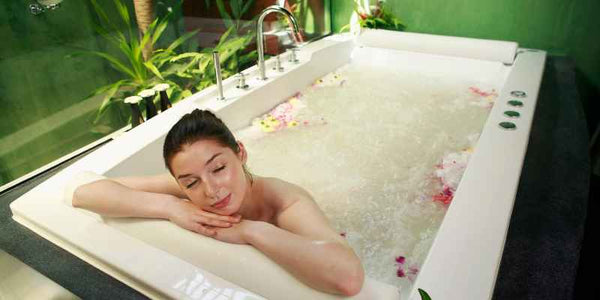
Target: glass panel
{"x": 66, "y": 67}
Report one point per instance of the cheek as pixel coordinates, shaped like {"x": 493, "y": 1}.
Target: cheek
{"x": 197, "y": 197}
{"x": 238, "y": 177}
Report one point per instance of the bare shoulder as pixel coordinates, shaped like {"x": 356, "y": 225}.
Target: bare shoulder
{"x": 283, "y": 194}
{"x": 299, "y": 213}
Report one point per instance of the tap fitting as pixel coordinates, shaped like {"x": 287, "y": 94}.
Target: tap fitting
{"x": 278, "y": 66}
{"x": 241, "y": 81}
{"x": 294, "y": 56}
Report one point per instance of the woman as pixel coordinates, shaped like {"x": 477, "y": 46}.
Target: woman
{"x": 210, "y": 191}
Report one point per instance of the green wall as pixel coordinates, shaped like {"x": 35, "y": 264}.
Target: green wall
{"x": 561, "y": 27}
{"x": 44, "y": 93}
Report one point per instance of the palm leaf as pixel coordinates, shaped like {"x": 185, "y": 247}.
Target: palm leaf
{"x": 114, "y": 62}
{"x": 225, "y": 36}
{"x": 246, "y": 7}
{"x": 110, "y": 90}
{"x": 123, "y": 12}
{"x": 105, "y": 34}
{"x": 223, "y": 11}
{"x": 153, "y": 69}
{"x": 159, "y": 31}
{"x": 184, "y": 55}
{"x": 181, "y": 40}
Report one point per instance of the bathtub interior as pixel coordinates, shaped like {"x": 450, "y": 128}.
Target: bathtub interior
{"x": 416, "y": 68}
{"x": 140, "y": 152}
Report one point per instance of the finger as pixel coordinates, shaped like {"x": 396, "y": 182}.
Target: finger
{"x": 229, "y": 219}
{"x": 211, "y": 222}
{"x": 204, "y": 231}
{"x": 216, "y": 223}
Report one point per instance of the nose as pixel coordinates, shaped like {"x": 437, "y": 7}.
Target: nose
{"x": 210, "y": 190}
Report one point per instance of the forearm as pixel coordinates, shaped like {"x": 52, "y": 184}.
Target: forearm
{"x": 328, "y": 266}
{"x": 113, "y": 199}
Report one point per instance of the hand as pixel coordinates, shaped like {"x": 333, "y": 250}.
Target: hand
{"x": 238, "y": 233}
{"x": 189, "y": 216}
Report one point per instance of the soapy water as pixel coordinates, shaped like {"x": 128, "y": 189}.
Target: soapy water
{"x": 368, "y": 155}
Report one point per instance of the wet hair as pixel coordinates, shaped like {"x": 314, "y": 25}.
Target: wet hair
{"x": 195, "y": 126}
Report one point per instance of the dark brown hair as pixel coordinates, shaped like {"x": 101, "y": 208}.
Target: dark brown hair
{"x": 195, "y": 126}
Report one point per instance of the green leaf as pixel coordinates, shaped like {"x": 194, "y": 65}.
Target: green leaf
{"x": 226, "y": 17}
{"x": 246, "y": 7}
{"x": 153, "y": 69}
{"x": 114, "y": 62}
{"x": 159, "y": 31}
{"x": 185, "y": 94}
{"x": 235, "y": 8}
{"x": 184, "y": 55}
{"x": 345, "y": 27}
{"x": 100, "y": 12}
{"x": 225, "y": 36}
{"x": 107, "y": 100}
{"x": 147, "y": 37}
{"x": 181, "y": 40}
{"x": 424, "y": 295}
{"x": 123, "y": 12}
{"x": 106, "y": 35}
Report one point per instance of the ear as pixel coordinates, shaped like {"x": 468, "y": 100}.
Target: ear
{"x": 242, "y": 155}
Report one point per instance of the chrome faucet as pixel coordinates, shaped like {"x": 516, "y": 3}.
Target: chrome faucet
{"x": 260, "y": 40}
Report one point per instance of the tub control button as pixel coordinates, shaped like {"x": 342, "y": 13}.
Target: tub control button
{"x": 518, "y": 94}
{"x": 508, "y": 125}
{"x": 515, "y": 103}
{"x": 512, "y": 114}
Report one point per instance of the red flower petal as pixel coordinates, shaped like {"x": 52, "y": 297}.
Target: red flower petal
{"x": 400, "y": 273}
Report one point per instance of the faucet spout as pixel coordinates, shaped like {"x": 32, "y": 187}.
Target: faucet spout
{"x": 260, "y": 40}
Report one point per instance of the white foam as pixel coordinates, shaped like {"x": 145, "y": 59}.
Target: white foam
{"x": 370, "y": 168}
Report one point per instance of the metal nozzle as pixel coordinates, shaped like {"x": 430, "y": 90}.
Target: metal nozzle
{"x": 241, "y": 81}
{"x": 278, "y": 66}
{"x": 218, "y": 75}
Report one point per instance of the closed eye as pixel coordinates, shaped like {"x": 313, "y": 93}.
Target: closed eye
{"x": 219, "y": 169}
{"x": 191, "y": 184}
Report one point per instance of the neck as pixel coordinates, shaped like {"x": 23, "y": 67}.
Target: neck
{"x": 252, "y": 207}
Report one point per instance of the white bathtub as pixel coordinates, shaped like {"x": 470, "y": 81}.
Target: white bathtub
{"x": 162, "y": 261}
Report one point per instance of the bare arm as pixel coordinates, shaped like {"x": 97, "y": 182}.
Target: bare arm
{"x": 305, "y": 245}
{"x": 114, "y": 199}
{"x": 147, "y": 197}
{"x": 309, "y": 248}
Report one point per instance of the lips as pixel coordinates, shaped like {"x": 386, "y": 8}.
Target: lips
{"x": 222, "y": 203}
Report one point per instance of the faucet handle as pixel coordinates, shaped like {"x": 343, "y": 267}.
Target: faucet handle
{"x": 241, "y": 81}
{"x": 278, "y": 66}
{"x": 294, "y": 56}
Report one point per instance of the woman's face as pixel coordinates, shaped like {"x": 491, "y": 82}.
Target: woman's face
{"x": 212, "y": 176}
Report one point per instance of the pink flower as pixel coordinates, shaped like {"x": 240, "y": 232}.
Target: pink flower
{"x": 400, "y": 259}
{"x": 446, "y": 199}
{"x": 412, "y": 273}
{"x": 400, "y": 273}
{"x": 448, "y": 191}
{"x": 413, "y": 270}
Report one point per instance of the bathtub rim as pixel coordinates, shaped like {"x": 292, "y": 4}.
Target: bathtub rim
{"x": 208, "y": 92}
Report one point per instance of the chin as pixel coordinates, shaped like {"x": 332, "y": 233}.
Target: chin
{"x": 229, "y": 210}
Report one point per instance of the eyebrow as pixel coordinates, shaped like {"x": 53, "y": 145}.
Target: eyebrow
{"x": 207, "y": 162}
